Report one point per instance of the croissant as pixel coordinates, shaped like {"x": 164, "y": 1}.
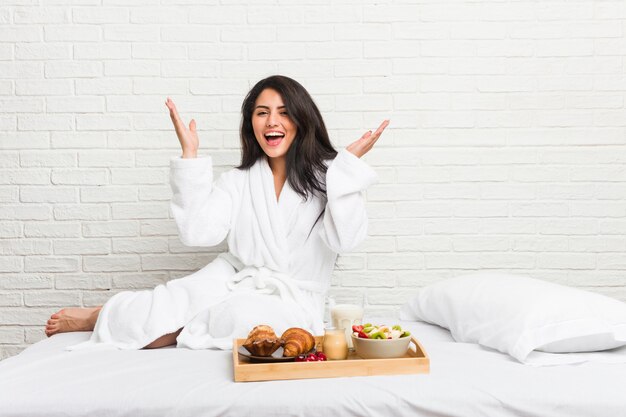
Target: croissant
{"x": 262, "y": 341}
{"x": 297, "y": 341}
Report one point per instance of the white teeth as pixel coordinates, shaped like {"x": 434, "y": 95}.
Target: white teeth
{"x": 274, "y": 134}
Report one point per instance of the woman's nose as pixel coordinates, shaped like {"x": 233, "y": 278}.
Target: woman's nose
{"x": 272, "y": 120}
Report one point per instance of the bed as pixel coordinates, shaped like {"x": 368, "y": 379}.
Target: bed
{"x": 465, "y": 380}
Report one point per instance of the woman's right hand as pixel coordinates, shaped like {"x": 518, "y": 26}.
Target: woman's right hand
{"x": 188, "y": 137}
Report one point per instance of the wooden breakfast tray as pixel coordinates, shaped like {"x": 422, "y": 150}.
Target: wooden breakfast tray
{"x": 415, "y": 361}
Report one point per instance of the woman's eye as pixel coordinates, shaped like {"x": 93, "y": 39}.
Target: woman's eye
{"x": 263, "y": 112}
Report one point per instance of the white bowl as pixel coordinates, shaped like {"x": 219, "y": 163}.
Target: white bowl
{"x": 381, "y": 348}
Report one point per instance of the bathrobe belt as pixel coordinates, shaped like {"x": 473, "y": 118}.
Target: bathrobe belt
{"x": 264, "y": 280}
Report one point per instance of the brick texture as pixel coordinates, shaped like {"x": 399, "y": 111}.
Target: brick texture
{"x": 506, "y": 149}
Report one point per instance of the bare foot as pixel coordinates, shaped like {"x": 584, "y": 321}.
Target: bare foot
{"x": 72, "y": 320}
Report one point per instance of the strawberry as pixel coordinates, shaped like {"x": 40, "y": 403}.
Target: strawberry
{"x": 363, "y": 335}
{"x": 357, "y": 328}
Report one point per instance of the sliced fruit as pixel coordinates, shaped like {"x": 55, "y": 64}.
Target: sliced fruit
{"x": 356, "y": 328}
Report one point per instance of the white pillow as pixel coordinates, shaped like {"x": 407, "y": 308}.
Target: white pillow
{"x": 516, "y": 315}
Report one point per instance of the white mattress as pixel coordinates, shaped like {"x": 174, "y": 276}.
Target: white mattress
{"x": 465, "y": 380}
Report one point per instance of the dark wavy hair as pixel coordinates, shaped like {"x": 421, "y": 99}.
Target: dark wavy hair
{"x": 306, "y": 170}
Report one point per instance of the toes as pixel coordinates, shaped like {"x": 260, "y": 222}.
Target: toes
{"x": 50, "y": 330}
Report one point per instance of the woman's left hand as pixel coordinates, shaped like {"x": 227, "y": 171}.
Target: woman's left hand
{"x": 367, "y": 141}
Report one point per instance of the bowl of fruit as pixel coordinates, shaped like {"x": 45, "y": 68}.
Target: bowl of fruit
{"x": 380, "y": 342}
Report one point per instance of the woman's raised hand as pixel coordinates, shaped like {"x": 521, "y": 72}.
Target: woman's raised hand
{"x": 188, "y": 137}
{"x": 367, "y": 141}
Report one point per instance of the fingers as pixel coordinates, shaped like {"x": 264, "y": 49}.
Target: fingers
{"x": 371, "y": 138}
{"x": 178, "y": 123}
{"x": 380, "y": 129}
{"x": 367, "y": 141}
{"x": 366, "y": 135}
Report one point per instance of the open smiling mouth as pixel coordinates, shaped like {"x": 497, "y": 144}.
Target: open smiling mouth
{"x": 274, "y": 139}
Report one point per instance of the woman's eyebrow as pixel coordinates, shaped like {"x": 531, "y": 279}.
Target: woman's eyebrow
{"x": 267, "y": 107}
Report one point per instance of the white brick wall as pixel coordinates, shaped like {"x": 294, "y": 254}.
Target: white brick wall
{"x": 506, "y": 149}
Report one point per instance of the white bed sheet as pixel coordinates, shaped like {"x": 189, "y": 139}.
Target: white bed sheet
{"x": 465, "y": 380}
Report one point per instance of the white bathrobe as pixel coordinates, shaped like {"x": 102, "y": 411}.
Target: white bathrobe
{"x": 277, "y": 269}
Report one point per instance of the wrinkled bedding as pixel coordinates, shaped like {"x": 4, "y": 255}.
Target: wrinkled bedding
{"x": 465, "y": 380}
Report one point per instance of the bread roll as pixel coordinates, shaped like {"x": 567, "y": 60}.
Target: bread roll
{"x": 262, "y": 341}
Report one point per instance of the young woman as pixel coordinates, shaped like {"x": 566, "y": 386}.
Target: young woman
{"x": 286, "y": 211}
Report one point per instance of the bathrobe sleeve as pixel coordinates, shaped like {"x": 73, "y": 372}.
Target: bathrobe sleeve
{"x": 344, "y": 224}
{"x": 202, "y": 208}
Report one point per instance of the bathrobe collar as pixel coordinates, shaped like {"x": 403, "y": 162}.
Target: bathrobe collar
{"x": 287, "y": 203}
{"x": 273, "y": 217}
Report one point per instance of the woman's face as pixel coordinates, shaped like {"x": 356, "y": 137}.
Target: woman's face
{"x": 273, "y": 128}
